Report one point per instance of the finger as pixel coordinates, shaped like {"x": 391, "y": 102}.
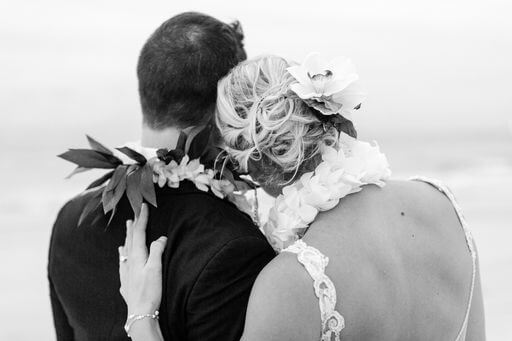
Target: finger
{"x": 155, "y": 252}
{"x": 123, "y": 259}
{"x": 139, "y": 234}
{"x": 129, "y": 237}
{"x": 123, "y": 268}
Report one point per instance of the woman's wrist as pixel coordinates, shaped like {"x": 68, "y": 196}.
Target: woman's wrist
{"x": 143, "y": 326}
{"x": 146, "y": 329}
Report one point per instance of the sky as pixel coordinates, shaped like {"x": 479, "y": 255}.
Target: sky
{"x": 431, "y": 68}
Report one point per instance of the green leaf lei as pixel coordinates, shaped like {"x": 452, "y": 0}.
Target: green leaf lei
{"x": 168, "y": 167}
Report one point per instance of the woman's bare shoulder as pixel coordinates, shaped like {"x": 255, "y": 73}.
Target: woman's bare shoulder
{"x": 282, "y": 305}
{"x": 409, "y": 220}
{"x": 390, "y": 248}
{"x": 398, "y": 199}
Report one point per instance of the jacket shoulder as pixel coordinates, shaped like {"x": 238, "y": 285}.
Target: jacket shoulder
{"x": 209, "y": 214}
{"x": 73, "y": 208}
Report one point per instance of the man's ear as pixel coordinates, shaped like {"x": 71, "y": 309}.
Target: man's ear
{"x": 237, "y": 29}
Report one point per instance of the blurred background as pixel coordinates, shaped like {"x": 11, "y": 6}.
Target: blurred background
{"x": 438, "y": 76}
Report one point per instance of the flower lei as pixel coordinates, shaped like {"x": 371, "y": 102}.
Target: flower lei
{"x": 135, "y": 173}
{"x": 341, "y": 172}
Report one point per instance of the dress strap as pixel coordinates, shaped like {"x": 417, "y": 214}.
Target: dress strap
{"x": 448, "y": 193}
{"x": 469, "y": 241}
{"x": 315, "y": 263}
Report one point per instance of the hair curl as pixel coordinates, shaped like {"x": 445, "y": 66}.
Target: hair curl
{"x": 267, "y": 129}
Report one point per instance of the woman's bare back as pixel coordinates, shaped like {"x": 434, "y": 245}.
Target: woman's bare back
{"x": 400, "y": 263}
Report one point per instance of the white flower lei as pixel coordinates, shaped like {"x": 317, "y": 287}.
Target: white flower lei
{"x": 340, "y": 173}
{"x": 204, "y": 179}
{"x": 192, "y": 170}
{"x": 173, "y": 173}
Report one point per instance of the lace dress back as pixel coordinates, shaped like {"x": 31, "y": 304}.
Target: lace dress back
{"x": 315, "y": 263}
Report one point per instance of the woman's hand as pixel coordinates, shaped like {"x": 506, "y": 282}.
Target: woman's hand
{"x": 140, "y": 273}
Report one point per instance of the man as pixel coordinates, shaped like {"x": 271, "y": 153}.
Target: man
{"x": 214, "y": 252}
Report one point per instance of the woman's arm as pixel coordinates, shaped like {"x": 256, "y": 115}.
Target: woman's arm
{"x": 141, "y": 280}
{"x": 282, "y": 305}
{"x": 476, "y": 322}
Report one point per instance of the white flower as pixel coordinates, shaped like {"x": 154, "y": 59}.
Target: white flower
{"x": 335, "y": 181}
{"x": 316, "y": 193}
{"x": 194, "y": 171}
{"x": 353, "y": 168}
{"x": 158, "y": 171}
{"x": 223, "y": 187}
{"x": 376, "y": 163}
{"x": 364, "y": 161}
{"x": 282, "y": 227}
{"x": 292, "y": 200}
{"x": 201, "y": 181}
{"x": 172, "y": 173}
{"x": 329, "y": 86}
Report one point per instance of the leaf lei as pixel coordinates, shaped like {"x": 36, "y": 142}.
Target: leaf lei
{"x": 168, "y": 167}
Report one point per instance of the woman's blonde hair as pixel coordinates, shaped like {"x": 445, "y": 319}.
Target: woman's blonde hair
{"x": 266, "y": 128}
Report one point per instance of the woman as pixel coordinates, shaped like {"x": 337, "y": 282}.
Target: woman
{"x": 393, "y": 262}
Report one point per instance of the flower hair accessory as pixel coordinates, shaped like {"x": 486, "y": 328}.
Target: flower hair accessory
{"x": 330, "y": 87}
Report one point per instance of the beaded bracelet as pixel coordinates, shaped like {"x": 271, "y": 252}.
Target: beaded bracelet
{"x": 134, "y": 318}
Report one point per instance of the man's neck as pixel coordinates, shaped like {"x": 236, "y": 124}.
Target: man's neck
{"x": 162, "y": 138}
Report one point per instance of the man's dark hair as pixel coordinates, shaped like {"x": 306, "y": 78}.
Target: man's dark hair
{"x": 180, "y": 65}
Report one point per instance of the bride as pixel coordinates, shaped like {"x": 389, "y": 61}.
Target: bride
{"x": 392, "y": 261}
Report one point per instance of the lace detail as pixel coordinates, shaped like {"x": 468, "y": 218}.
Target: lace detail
{"x": 315, "y": 263}
{"x": 469, "y": 241}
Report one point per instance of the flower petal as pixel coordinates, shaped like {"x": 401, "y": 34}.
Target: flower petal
{"x": 304, "y": 90}
{"x": 308, "y": 213}
{"x": 315, "y": 64}
{"x": 351, "y": 96}
{"x": 339, "y": 84}
{"x": 299, "y": 73}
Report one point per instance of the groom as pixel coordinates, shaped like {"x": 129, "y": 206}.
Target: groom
{"x": 214, "y": 252}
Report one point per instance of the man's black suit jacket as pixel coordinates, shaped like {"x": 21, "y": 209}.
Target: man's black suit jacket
{"x": 213, "y": 255}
